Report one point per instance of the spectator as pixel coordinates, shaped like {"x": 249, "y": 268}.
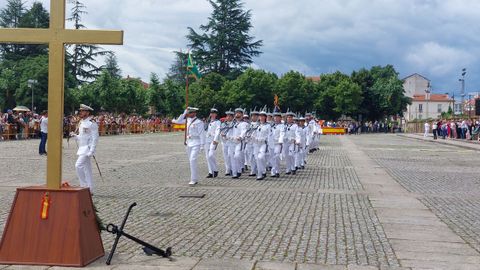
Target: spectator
{"x": 43, "y": 133}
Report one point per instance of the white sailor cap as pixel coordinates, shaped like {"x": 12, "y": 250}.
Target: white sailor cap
{"x": 213, "y": 110}
{"x": 290, "y": 114}
{"x": 84, "y": 107}
{"x": 229, "y": 112}
{"x": 246, "y": 116}
{"x": 262, "y": 112}
{"x": 301, "y": 118}
{"x": 277, "y": 113}
{"x": 240, "y": 110}
{"x": 192, "y": 109}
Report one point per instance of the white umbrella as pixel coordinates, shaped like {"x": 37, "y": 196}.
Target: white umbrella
{"x": 21, "y": 109}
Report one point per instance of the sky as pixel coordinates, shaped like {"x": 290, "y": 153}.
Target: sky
{"x": 435, "y": 38}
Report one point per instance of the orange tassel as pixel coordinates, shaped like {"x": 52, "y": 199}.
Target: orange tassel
{"x": 45, "y": 206}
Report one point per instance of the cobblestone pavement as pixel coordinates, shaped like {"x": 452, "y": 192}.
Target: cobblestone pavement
{"x": 321, "y": 215}
{"x": 321, "y": 218}
{"x": 445, "y": 178}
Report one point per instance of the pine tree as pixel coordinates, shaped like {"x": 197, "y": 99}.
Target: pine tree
{"x": 82, "y": 58}
{"x": 225, "y": 47}
{"x": 111, "y": 66}
{"x": 178, "y": 70}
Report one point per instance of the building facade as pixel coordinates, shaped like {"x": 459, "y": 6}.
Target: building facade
{"x": 424, "y": 104}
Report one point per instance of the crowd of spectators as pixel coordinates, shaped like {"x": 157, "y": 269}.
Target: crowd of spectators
{"x": 355, "y": 128}
{"x": 463, "y": 129}
{"x": 26, "y": 125}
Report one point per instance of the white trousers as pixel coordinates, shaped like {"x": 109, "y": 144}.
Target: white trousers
{"x": 300, "y": 156}
{"x": 236, "y": 161}
{"x": 426, "y": 133}
{"x": 226, "y": 158}
{"x": 83, "y": 167}
{"x": 210, "y": 150}
{"x": 192, "y": 152}
{"x": 275, "y": 160}
{"x": 289, "y": 149}
{"x": 260, "y": 158}
{"x": 250, "y": 155}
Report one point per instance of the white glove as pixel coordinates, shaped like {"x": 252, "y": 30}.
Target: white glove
{"x": 90, "y": 154}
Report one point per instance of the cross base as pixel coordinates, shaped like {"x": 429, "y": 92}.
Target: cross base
{"x": 68, "y": 237}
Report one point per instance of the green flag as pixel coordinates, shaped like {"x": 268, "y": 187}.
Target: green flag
{"x": 192, "y": 68}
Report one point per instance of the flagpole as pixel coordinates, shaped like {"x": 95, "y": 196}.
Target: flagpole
{"x": 186, "y": 107}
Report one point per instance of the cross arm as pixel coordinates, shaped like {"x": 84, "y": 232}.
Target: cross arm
{"x": 25, "y": 35}
{"x": 112, "y": 37}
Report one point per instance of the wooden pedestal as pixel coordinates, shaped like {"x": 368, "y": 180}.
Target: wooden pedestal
{"x": 69, "y": 237}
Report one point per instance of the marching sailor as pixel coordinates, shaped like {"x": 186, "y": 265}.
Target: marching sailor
{"x": 226, "y": 135}
{"x": 260, "y": 140}
{"x": 250, "y": 147}
{"x": 291, "y": 139}
{"x": 238, "y": 136}
{"x": 301, "y": 153}
{"x": 212, "y": 138}
{"x": 195, "y": 140}
{"x": 87, "y": 139}
{"x": 310, "y": 131}
{"x": 277, "y": 137}
{"x": 246, "y": 150}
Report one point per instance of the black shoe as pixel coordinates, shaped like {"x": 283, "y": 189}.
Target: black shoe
{"x": 303, "y": 167}
{"x": 236, "y": 176}
{"x": 273, "y": 176}
{"x": 228, "y": 174}
{"x": 209, "y": 175}
{"x": 215, "y": 174}
{"x": 260, "y": 179}
{"x": 277, "y": 175}
{"x": 288, "y": 173}
{"x": 294, "y": 172}
{"x": 264, "y": 175}
{"x": 246, "y": 168}
{"x": 252, "y": 174}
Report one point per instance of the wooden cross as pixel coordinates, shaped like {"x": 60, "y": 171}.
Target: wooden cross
{"x": 56, "y": 36}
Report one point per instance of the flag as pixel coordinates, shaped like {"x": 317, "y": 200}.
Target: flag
{"x": 192, "y": 68}
{"x": 275, "y": 102}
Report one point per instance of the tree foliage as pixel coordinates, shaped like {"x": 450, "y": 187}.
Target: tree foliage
{"x": 224, "y": 45}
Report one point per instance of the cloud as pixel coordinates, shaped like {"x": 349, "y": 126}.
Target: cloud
{"x": 436, "y": 59}
{"x": 433, "y": 37}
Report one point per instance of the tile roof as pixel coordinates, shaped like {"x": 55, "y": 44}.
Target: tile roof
{"x": 433, "y": 97}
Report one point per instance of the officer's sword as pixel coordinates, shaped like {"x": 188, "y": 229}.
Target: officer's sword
{"x": 98, "y": 167}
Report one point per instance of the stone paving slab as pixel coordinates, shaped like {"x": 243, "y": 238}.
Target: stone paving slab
{"x": 391, "y": 204}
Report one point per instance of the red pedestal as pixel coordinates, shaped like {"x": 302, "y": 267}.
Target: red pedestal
{"x": 69, "y": 237}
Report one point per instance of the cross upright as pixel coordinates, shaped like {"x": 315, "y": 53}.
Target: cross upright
{"x": 56, "y": 36}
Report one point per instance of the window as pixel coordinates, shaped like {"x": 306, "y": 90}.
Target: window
{"x": 420, "y": 107}
{"x": 439, "y": 108}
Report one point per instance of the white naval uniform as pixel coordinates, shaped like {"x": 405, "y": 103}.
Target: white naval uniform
{"x": 300, "y": 155}
{"x": 250, "y": 159}
{"x": 236, "y": 151}
{"x": 195, "y": 141}
{"x": 212, "y": 135}
{"x": 87, "y": 139}
{"x": 260, "y": 147}
{"x": 290, "y": 147}
{"x": 277, "y": 139}
{"x": 226, "y": 143}
{"x": 310, "y": 134}
{"x": 427, "y": 130}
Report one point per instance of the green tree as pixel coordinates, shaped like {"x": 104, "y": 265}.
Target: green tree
{"x": 82, "y": 58}
{"x": 225, "y": 45}
{"x": 294, "y": 92}
{"x": 174, "y": 97}
{"x": 156, "y": 95}
{"x": 178, "y": 70}
{"x": 348, "y": 97}
{"x": 111, "y": 66}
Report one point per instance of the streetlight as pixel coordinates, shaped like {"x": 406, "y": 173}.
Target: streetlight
{"x": 462, "y": 80}
{"x": 30, "y": 84}
{"x": 427, "y": 97}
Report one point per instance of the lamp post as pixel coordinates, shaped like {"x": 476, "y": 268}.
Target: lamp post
{"x": 427, "y": 97}
{"x": 30, "y": 84}
{"x": 462, "y": 80}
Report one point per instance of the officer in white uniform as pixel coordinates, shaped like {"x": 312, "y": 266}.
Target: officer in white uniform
{"x": 310, "y": 131}
{"x": 226, "y": 130}
{"x": 87, "y": 139}
{"x": 195, "y": 140}
{"x": 277, "y": 139}
{"x": 427, "y": 129}
{"x": 238, "y": 136}
{"x": 212, "y": 139}
{"x": 260, "y": 141}
{"x": 290, "y": 147}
